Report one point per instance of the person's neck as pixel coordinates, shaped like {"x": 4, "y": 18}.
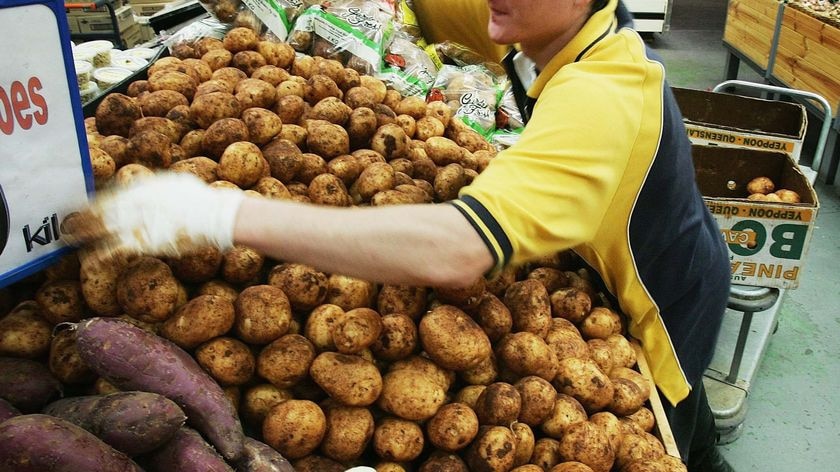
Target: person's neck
{"x": 541, "y": 51}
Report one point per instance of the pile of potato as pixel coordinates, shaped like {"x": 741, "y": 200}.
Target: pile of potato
{"x": 529, "y": 371}
{"x": 763, "y": 189}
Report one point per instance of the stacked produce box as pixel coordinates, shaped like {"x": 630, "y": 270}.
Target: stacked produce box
{"x": 215, "y": 361}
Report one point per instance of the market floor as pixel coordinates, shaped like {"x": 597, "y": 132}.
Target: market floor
{"x": 793, "y": 417}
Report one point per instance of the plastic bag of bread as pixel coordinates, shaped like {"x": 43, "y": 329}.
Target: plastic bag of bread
{"x": 353, "y": 32}
{"x": 407, "y": 68}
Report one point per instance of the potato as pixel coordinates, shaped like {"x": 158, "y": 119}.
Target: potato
{"x": 191, "y": 143}
{"x": 565, "y": 412}
{"x": 61, "y": 301}
{"x": 180, "y": 115}
{"x": 151, "y": 149}
{"x": 452, "y": 339}
{"x": 217, "y": 59}
{"x": 222, "y": 134}
{"x": 289, "y": 108}
{"x": 263, "y": 314}
{"x": 399, "y": 440}
{"x": 356, "y": 330}
{"x": 328, "y": 140}
{"x": 424, "y": 366}
{"x": 469, "y": 395}
{"x": 199, "y": 70}
{"x": 348, "y": 79}
{"x": 493, "y": 450}
{"x": 630, "y": 374}
{"x": 427, "y": 128}
{"x": 202, "y": 167}
{"x": 115, "y": 114}
{"x": 466, "y": 298}
{"x": 582, "y": 379}
{"x": 172, "y": 80}
{"x": 762, "y": 185}
{"x": 158, "y": 103}
{"x": 453, "y": 427}
{"x": 163, "y": 126}
{"x": 327, "y": 189}
{"x": 295, "y": 428}
{"x": 526, "y": 354}
{"x": 255, "y": 93}
{"x": 601, "y": 323}
{"x": 319, "y": 87}
{"x": 408, "y": 124}
{"x": 493, "y": 317}
{"x": 484, "y": 373}
{"x": 291, "y": 88}
{"x": 241, "y": 264}
{"x": 411, "y": 395}
{"x": 248, "y": 61}
{"x": 390, "y": 141}
{"x": 286, "y": 360}
{"x": 240, "y": 39}
{"x": 241, "y": 163}
{"x": 566, "y": 342}
{"x": 643, "y": 418}
{"x": 99, "y": 284}
{"x": 147, "y": 290}
{"x": 627, "y": 397}
{"x": 599, "y": 351}
{"x": 529, "y": 306}
{"x": 64, "y": 361}
{"x": 788, "y": 196}
{"x": 443, "y": 151}
{"x": 413, "y": 106}
{"x": 136, "y": 89}
{"x": 524, "y": 443}
{"x": 498, "y": 404}
{"x": 259, "y": 399}
{"x": 201, "y": 319}
{"x": 271, "y": 74}
{"x": 284, "y": 159}
{"x": 319, "y": 326}
{"x": 331, "y": 109}
{"x": 305, "y": 287}
{"x": 350, "y": 380}
{"x": 349, "y": 429}
{"x": 588, "y": 444}
{"x": 448, "y": 182}
{"x": 410, "y": 301}
{"x": 213, "y": 85}
{"x": 229, "y": 361}
{"x": 610, "y": 425}
{"x": 638, "y": 447}
{"x": 571, "y": 304}
{"x": 208, "y": 108}
{"x": 538, "y": 399}
{"x": 263, "y": 125}
{"x": 359, "y": 96}
{"x": 376, "y": 86}
{"x": 546, "y": 453}
{"x": 116, "y": 147}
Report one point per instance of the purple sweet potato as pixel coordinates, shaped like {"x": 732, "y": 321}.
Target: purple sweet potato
{"x": 42, "y": 443}
{"x": 133, "y": 359}
{"x": 130, "y": 422}
{"x": 260, "y": 457}
{"x": 28, "y": 385}
{"x": 7, "y": 410}
{"x": 187, "y": 451}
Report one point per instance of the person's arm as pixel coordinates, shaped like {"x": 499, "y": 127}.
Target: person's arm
{"x": 423, "y": 245}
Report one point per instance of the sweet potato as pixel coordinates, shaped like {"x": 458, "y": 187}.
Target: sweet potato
{"x": 7, "y": 410}
{"x": 187, "y": 452}
{"x": 130, "y": 422}
{"x": 28, "y": 385}
{"x": 42, "y": 443}
{"x": 133, "y": 359}
{"x": 259, "y": 457}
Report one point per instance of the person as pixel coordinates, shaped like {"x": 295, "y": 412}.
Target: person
{"x": 603, "y": 167}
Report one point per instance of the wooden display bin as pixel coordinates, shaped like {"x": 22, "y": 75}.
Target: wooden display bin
{"x": 807, "y": 55}
{"x": 750, "y": 27}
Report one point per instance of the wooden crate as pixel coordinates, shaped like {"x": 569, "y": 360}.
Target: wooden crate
{"x": 807, "y": 56}
{"x": 662, "y": 428}
{"x": 750, "y": 26}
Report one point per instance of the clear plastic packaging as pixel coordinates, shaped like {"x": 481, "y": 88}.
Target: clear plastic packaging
{"x": 89, "y": 92}
{"x": 83, "y": 70}
{"x": 100, "y": 49}
{"x": 142, "y": 53}
{"x": 107, "y": 77}
{"x": 472, "y": 92}
{"x": 407, "y": 68}
{"x": 354, "y": 32}
{"x": 181, "y": 44}
{"x": 509, "y": 122}
{"x": 274, "y": 16}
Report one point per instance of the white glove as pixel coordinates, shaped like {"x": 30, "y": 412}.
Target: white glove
{"x": 167, "y": 214}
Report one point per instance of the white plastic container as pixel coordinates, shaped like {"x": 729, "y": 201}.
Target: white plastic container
{"x": 128, "y": 62}
{"x": 90, "y": 92}
{"x": 142, "y": 53}
{"x": 106, "y": 77}
{"x": 101, "y": 50}
{"x": 83, "y": 70}
{"x": 82, "y": 54}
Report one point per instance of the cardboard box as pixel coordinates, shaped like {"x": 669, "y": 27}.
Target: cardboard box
{"x": 750, "y": 27}
{"x": 73, "y": 23}
{"x": 148, "y": 9}
{"x": 132, "y": 36}
{"x": 100, "y": 21}
{"x": 768, "y": 242}
{"x": 724, "y": 119}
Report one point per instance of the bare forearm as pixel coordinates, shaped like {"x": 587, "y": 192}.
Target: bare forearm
{"x": 407, "y": 244}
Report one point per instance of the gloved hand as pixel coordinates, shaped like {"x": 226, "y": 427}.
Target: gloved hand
{"x": 168, "y": 214}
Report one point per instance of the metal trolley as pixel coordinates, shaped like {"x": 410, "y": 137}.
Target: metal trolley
{"x": 742, "y": 345}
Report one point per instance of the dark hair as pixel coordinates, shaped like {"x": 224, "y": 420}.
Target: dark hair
{"x": 599, "y": 4}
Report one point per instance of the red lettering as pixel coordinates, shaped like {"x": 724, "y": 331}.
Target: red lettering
{"x": 7, "y": 124}
{"x": 42, "y": 115}
{"x": 20, "y": 102}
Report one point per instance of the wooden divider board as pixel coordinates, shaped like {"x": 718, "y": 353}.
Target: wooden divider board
{"x": 662, "y": 427}
{"x": 750, "y": 26}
